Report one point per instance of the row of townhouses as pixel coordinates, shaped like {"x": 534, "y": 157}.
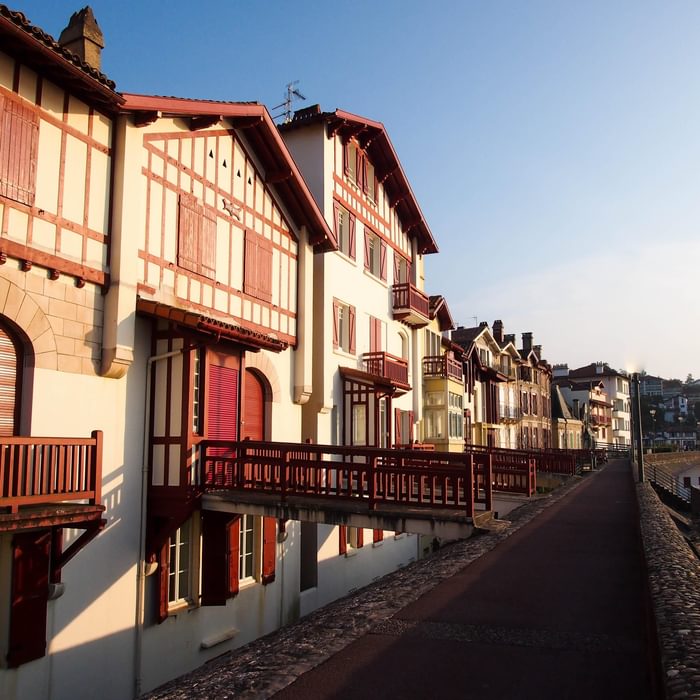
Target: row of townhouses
{"x": 178, "y": 275}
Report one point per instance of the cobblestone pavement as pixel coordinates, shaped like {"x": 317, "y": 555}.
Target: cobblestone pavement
{"x": 269, "y": 664}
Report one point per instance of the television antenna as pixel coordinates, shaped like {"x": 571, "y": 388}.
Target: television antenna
{"x": 291, "y": 95}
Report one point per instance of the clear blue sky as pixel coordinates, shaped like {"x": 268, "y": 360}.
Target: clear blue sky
{"x": 553, "y": 145}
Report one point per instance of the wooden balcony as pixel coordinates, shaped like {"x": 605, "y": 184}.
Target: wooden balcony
{"x": 442, "y": 366}
{"x": 410, "y": 305}
{"x": 382, "y": 364}
{"x": 38, "y": 474}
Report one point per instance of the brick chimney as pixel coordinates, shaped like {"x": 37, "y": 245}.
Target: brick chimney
{"x": 498, "y": 331}
{"x": 509, "y": 338}
{"x": 527, "y": 341}
{"x": 84, "y": 37}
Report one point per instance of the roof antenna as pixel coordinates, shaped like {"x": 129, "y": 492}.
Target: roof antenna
{"x": 292, "y": 94}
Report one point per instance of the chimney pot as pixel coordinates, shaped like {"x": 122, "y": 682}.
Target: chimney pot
{"x": 84, "y": 37}
{"x": 527, "y": 341}
{"x": 498, "y": 331}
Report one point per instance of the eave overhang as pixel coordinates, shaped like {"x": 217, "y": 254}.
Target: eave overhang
{"x": 386, "y": 385}
{"x": 261, "y": 133}
{"x": 211, "y": 328}
{"x": 41, "y": 52}
{"x": 373, "y": 138}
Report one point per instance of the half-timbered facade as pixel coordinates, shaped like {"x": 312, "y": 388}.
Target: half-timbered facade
{"x": 59, "y": 491}
{"x": 369, "y": 306}
{"x": 534, "y": 380}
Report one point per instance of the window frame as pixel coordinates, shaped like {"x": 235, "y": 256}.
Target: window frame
{"x": 19, "y": 149}
{"x": 190, "y": 599}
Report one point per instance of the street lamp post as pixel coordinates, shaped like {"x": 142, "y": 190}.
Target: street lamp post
{"x": 637, "y": 423}
{"x": 653, "y": 415}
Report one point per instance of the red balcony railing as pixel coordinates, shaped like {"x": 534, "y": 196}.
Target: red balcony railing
{"x": 442, "y": 366}
{"x": 410, "y": 304}
{"x": 367, "y": 476}
{"x": 37, "y": 470}
{"x": 382, "y": 364}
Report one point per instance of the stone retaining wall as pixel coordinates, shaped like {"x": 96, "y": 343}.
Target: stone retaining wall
{"x": 674, "y": 583}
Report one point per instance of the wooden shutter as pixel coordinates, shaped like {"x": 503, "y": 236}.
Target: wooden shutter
{"x": 351, "y": 237}
{"x": 189, "y": 228}
{"x": 234, "y": 552}
{"x": 377, "y": 535}
{"x": 360, "y": 537}
{"x": 163, "y": 581}
{"x": 29, "y": 596}
{"x": 368, "y": 251}
{"x": 222, "y": 407}
{"x": 346, "y": 158}
{"x": 335, "y": 229}
{"x": 336, "y": 329}
{"x": 397, "y": 268}
{"x": 374, "y": 341}
{"x": 382, "y": 260}
{"x": 8, "y": 384}
{"x": 264, "y": 273}
{"x": 250, "y": 278}
{"x": 19, "y": 137}
{"x": 215, "y": 583}
{"x": 351, "y": 329}
{"x": 208, "y": 239}
{"x": 397, "y": 427}
{"x": 410, "y": 427}
{"x": 342, "y": 539}
{"x": 269, "y": 553}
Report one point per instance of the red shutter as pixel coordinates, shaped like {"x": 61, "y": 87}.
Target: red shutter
{"x": 163, "y": 581}
{"x": 215, "y": 579}
{"x": 397, "y": 268}
{"x": 342, "y": 539}
{"x": 351, "y": 236}
{"x": 374, "y": 344}
{"x": 234, "y": 544}
{"x": 410, "y": 427}
{"x": 362, "y": 171}
{"x": 382, "y": 260}
{"x": 377, "y": 536}
{"x": 408, "y": 272}
{"x": 336, "y": 333}
{"x": 360, "y": 537}
{"x": 269, "y": 554}
{"x": 351, "y": 325}
{"x": 8, "y": 384}
{"x": 346, "y": 157}
{"x": 19, "y": 136}
{"x": 208, "y": 239}
{"x": 222, "y": 406}
{"x": 368, "y": 254}
{"x": 397, "y": 427}
{"x": 335, "y": 230}
{"x": 250, "y": 280}
{"x": 188, "y": 232}
{"x": 29, "y": 596}
{"x": 264, "y": 265}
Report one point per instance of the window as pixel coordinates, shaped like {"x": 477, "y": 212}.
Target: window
{"x": 19, "y": 137}
{"x": 343, "y": 327}
{"x": 455, "y": 416}
{"x": 257, "y": 272}
{"x": 359, "y": 170}
{"x": 248, "y": 549}
{"x": 350, "y": 161}
{"x": 196, "y": 232}
{"x": 350, "y": 538}
{"x": 402, "y": 269}
{"x": 359, "y": 424}
{"x": 180, "y": 566}
{"x": 375, "y": 255}
{"x": 434, "y": 424}
{"x": 432, "y": 343}
{"x": 344, "y": 229}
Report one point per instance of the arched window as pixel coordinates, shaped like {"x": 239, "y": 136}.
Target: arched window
{"x": 10, "y": 381}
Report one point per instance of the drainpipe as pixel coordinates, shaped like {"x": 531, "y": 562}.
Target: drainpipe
{"x": 141, "y": 572}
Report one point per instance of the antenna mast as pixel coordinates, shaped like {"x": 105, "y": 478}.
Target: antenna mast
{"x": 291, "y": 95}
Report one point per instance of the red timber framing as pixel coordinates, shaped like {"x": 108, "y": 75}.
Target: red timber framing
{"x": 19, "y": 159}
{"x": 366, "y": 412}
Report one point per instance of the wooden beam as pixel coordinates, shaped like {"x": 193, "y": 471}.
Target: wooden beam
{"x": 146, "y": 118}
{"x": 91, "y": 531}
{"x": 246, "y": 122}
{"x": 204, "y": 122}
{"x": 275, "y": 176}
{"x": 383, "y": 176}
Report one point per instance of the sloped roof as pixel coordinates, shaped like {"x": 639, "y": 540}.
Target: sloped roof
{"x": 561, "y": 409}
{"x": 439, "y": 309}
{"x": 34, "y": 47}
{"x": 261, "y": 132}
{"x": 590, "y": 371}
{"x": 373, "y": 137}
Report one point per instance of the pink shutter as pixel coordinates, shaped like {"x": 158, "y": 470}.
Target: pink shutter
{"x": 346, "y": 157}
{"x": 351, "y": 324}
{"x": 377, "y": 536}
{"x": 269, "y": 555}
{"x": 368, "y": 252}
{"x": 9, "y": 361}
{"x": 264, "y": 266}
{"x": 373, "y": 345}
{"x": 250, "y": 279}
{"x": 19, "y": 130}
{"x": 397, "y": 268}
{"x": 351, "y": 237}
{"x": 222, "y": 406}
{"x": 360, "y": 537}
{"x": 190, "y": 216}
{"x": 362, "y": 171}
{"x": 335, "y": 230}
{"x": 382, "y": 260}
{"x": 336, "y": 331}
{"x": 28, "y": 596}
{"x": 208, "y": 245}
